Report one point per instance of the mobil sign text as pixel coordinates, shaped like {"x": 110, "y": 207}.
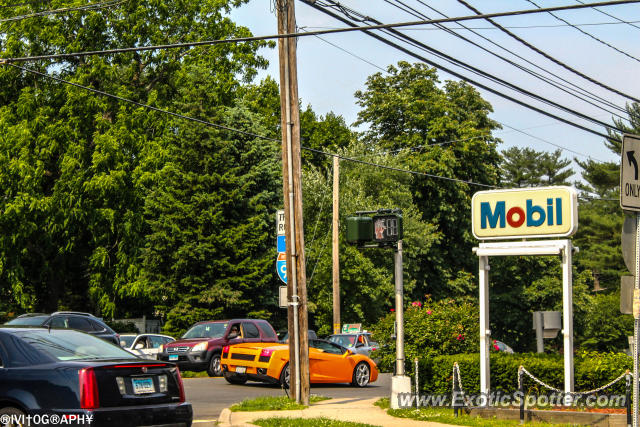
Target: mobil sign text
{"x": 521, "y": 213}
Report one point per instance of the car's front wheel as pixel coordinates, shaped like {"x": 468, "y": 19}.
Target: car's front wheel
{"x": 214, "y": 369}
{"x": 361, "y": 375}
{"x": 285, "y": 375}
{"x": 13, "y": 417}
{"x": 234, "y": 378}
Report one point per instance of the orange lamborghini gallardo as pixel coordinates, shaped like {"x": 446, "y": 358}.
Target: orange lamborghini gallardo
{"x": 268, "y": 362}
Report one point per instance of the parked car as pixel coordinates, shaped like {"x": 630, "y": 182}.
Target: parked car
{"x": 200, "y": 348}
{"x": 79, "y": 321}
{"x": 146, "y": 346}
{"x": 58, "y": 372}
{"x": 328, "y": 363}
{"x": 500, "y": 346}
{"x": 358, "y": 342}
{"x": 284, "y": 337}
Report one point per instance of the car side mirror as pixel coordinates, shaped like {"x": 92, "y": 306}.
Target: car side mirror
{"x": 139, "y": 346}
{"x": 348, "y": 353}
{"x": 232, "y": 335}
{"x": 358, "y": 345}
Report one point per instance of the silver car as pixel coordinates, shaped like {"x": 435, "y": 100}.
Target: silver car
{"x": 145, "y": 346}
{"x": 358, "y": 342}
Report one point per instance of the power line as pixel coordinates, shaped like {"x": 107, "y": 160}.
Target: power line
{"x": 549, "y": 57}
{"x": 460, "y": 76}
{"x": 310, "y": 33}
{"x": 68, "y": 9}
{"x": 514, "y": 27}
{"x": 568, "y": 85}
{"x": 207, "y": 123}
{"x": 614, "y": 17}
{"x": 589, "y": 34}
{"x": 416, "y": 13}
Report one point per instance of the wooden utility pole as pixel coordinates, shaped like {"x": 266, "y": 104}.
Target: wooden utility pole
{"x": 292, "y": 190}
{"x": 336, "y": 245}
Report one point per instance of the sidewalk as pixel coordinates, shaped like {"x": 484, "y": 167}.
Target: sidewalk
{"x": 344, "y": 409}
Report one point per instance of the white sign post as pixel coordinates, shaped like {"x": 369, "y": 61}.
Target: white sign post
{"x": 630, "y": 201}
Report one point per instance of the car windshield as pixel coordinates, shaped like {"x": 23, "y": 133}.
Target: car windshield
{"x": 126, "y": 340}
{"x": 206, "y": 330}
{"x": 64, "y": 344}
{"x": 343, "y": 340}
{"x": 28, "y": 321}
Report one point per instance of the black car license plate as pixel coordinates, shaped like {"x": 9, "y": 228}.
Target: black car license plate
{"x": 143, "y": 385}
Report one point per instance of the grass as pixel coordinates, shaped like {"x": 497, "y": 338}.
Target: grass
{"x": 272, "y": 403}
{"x": 306, "y": 422}
{"x": 445, "y": 415}
{"x": 190, "y": 374}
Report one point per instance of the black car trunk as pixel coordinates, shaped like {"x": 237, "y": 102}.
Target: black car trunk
{"x": 136, "y": 383}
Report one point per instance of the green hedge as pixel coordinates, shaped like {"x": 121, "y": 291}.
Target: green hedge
{"x": 592, "y": 370}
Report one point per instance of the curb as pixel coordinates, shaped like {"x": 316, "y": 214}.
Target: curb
{"x": 225, "y": 417}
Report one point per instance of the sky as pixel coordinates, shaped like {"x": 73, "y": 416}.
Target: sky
{"x": 332, "y": 67}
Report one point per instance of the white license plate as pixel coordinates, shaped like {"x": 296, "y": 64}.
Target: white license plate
{"x": 241, "y": 369}
{"x": 142, "y": 385}
{"x": 173, "y": 357}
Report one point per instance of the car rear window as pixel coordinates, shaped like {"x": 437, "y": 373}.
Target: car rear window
{"x": 267, "y": 330}
{"x": 206, "y": 330}
{"x": 28, "y": 321}
{"x": 72, "y": 345}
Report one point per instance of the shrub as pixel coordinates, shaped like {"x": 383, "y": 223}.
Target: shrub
{"x": 592, "y": 370}
{"x": 431, "y": 328}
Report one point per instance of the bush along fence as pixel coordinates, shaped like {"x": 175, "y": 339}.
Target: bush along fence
{"x": 590, "y": 398}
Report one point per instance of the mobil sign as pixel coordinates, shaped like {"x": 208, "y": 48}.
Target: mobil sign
{"x": 524, "y": 212}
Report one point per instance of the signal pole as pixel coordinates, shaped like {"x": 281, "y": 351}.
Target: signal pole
{"x": 292, "y": 190}
{"x": 336, "y": 245}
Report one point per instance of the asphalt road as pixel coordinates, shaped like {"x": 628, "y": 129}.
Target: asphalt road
{"x": 209, "y": 396}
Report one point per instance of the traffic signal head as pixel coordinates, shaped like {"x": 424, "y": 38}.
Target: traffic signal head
{"x": 359, "y": 230}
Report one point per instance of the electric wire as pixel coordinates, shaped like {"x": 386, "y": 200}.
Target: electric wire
{"x": 207, "y": 123}
{"x": 310, "y": 33}
{"x": 511, "y": 27}
{"x": 559, "y": 86}
{"x": 462, "y": 77}
{"x": 588, "y": 34}
{"x": 578, "y": 88}
{"x": 68, "y": 9}
{"x": 614, "y": 17}
{"x": 568, "y": 88}
{"x": 551, "y": 58}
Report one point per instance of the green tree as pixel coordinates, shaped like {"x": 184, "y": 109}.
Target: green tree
{"x": 445, "y": 130}
{"x": 73, "y": 165}
{"x": 526, "y": 167}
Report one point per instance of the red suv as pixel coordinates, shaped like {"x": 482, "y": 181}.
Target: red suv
{"x": 199, "y": 349}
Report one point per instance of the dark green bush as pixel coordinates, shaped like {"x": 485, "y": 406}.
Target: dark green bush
{"x": 592, "y": 370}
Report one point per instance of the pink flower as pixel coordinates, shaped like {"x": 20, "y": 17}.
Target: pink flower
{"x": 459, "y": 337}
{"x": 429, "y": 311}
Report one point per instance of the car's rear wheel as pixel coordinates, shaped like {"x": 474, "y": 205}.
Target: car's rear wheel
{"x": 234, "y": 378}
{"x": 361, "y": 375}
{"x": 12, "y": 417}
{"x": 214, "y": 369}
{"x": 285, "y": 375}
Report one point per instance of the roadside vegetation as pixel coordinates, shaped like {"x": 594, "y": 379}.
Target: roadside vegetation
{"x": 273, "y": 403}
{"x": 306, "y": 422}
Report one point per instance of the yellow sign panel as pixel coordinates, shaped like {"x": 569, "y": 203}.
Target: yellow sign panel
{"x": 524, "y": 212}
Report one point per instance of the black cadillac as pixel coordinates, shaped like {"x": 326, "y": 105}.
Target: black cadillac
{"x": 48, "y": 375}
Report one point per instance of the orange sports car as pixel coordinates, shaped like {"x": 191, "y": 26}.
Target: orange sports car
{"x": 268, "y": 362}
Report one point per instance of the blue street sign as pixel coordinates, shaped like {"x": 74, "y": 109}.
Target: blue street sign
{"x": 282, "y": 246}
{"x": 281, "y": 267}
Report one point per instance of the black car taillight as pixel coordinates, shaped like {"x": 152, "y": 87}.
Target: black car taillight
{"x": 88, "y": 385}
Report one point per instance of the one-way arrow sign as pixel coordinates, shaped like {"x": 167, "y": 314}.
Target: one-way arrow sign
{"x": 632, "y": 160}
{"x": 629, "y": 184}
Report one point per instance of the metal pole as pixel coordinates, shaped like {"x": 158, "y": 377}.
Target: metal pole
{"x": 627, "y": 381}
{"x": 521, "y": 390}
{"x": 539, "y": 331}
{"x": 399, "y": 311}
{"x": 417, "y": 372}
{"x": 567, "y": 319}
{"x": 456, "y": 391}
{"x": 485, "y": 332}
{"x": 636, "y": 324}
